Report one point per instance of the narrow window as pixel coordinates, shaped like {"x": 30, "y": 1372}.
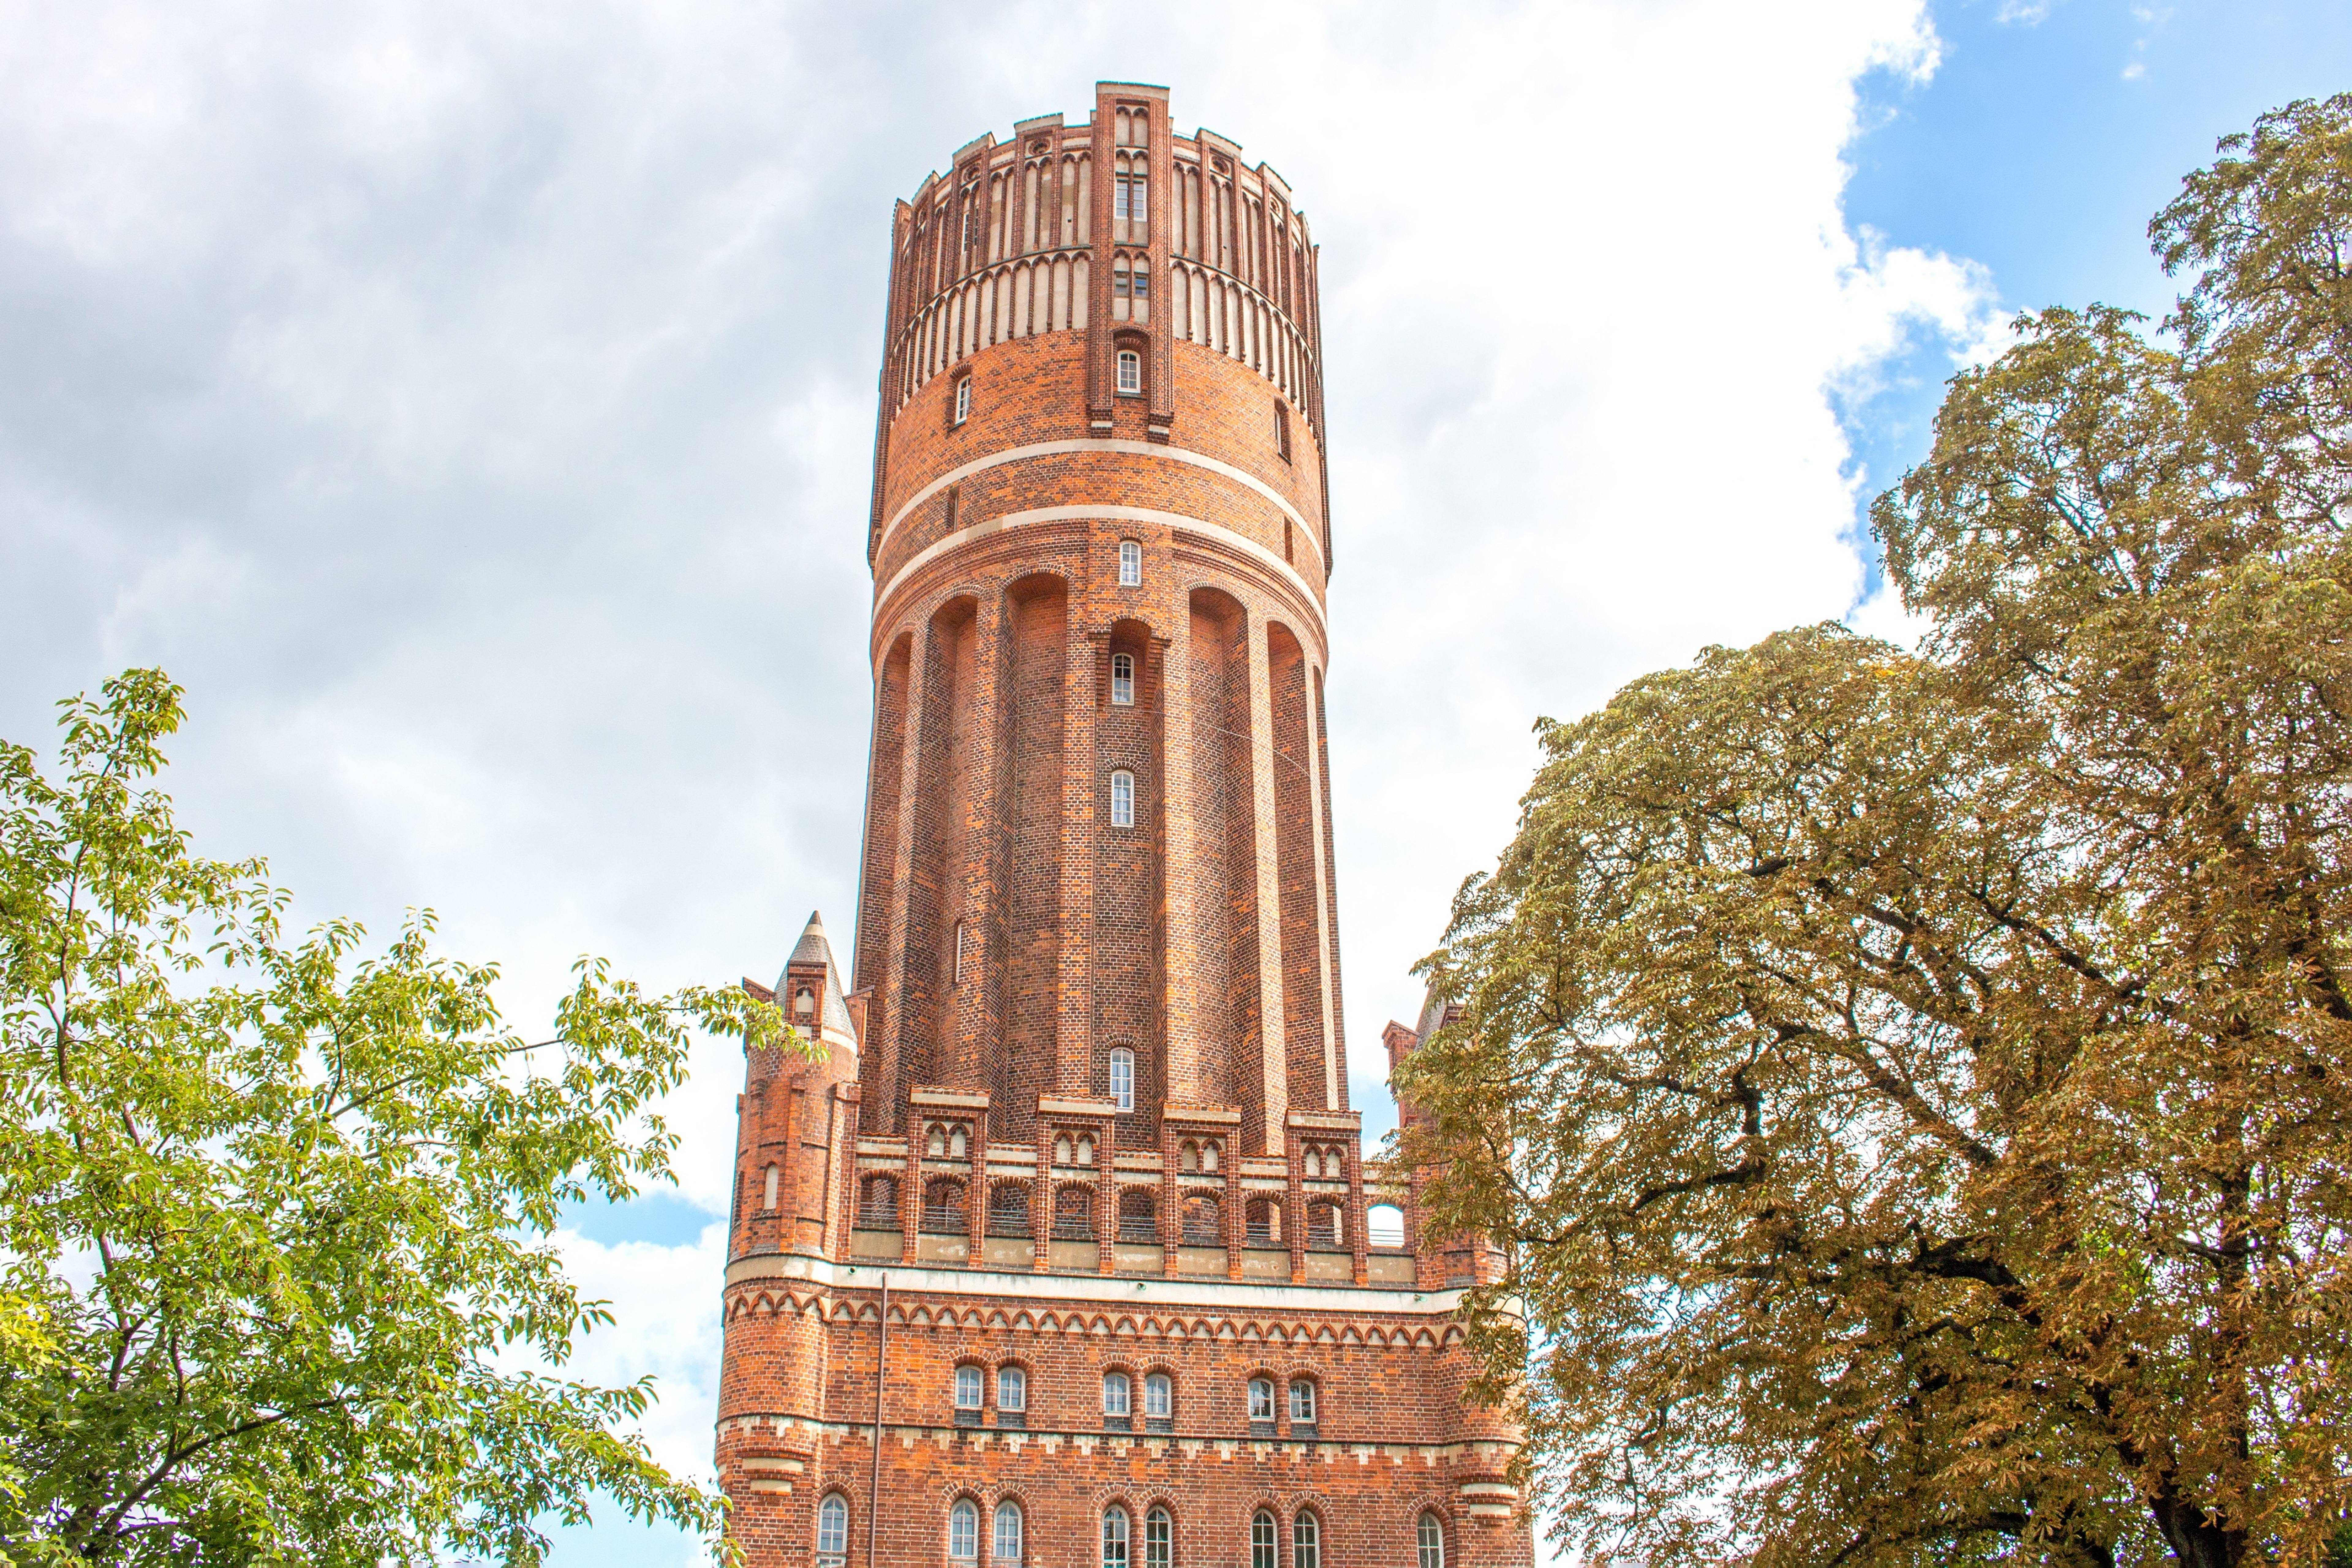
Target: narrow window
{"x": 1302, "y": 1403}
{"x": 1263, "y": 1551}
{"x": 1005, "y": 1550}
{"x": 1306, "y": 1542}
{"x": 1122, "y": 678}
{"x": 1131, "y": 373}
{"x": 963, "y": 399}
{"x": 1120, "y": 197}
{"x": 1159, "y": 1542}
{"x": 967, "y": 1388}
{"x": 1118, "y": 282}
{"x": 1261, "y": 1399}
{"x": 1139, "y": 207}
{"x": 1158, "y": 1397}
{"x": 1122, "y": 1078}
{"x": 805, "y": 1003}
{"x": 948, "y": 518}
{"x": 1281, "y": 428}
{"x": 1011, "y": 1388}
{"x": 832, "y": 1531}
{"x": 1130, "y": 564}
{"x": 771, "y": 1201}
{"x": 1114, "y": 1537}
{"x": 961, "y": 933}
{"x": 963, "y": 1531}
{"x": 1115, "y": 1394}
{"x": 1142, "y": 270}
{"x": 1432, "y": 1542}
{"x": 1122, "y": 799}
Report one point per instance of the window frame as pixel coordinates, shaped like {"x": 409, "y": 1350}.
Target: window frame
{"x": 1124, "y": 361}
{"x": 1160, "y": 1389}
{"x": 1265, "y": 1540}
{"x": 1303, "y": 1385}
{"x": 1019, "y": 1386}
{"x": 963, "y": 1513}
{"x": 1429, "y": 1541}
{"x": 832, "y": 1511}
{"x": 998, "y": 1556}
{"x": 1130, "y": 564}
{"x": 1305, "y": 1540}
{"x": 1122, "y": 798}
{"x": 1126, "y": 1386}
{"x": 1118, "y": 1531}
{"x": 1158, "y": 1537}
{"x": 970, "y": 1377}
{"x": 963, "y": 398}
{"x": 1263, "y": 1385}
{"x": 1122, "y": 685}
{"x": 1121, "y": 1079}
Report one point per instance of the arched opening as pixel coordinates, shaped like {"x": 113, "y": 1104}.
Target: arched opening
{"x": 877, "y": 1204}
{"x": 1203, "y": 1221}
{"x": 1074, "y": 1214}
{"x": 1384, "y": 1225}
{"x": 1008, "y": 1209}
{"x": 1262, "y": 1222}
{"x": 1327, "y": 1227}
{"x": 944, "y": 1210}
{"x": 1139, "y": 1216}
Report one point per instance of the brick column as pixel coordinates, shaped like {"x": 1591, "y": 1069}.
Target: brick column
{"x": 1272, "y": 1064}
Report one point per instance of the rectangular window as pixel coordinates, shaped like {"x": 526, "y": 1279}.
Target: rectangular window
{"x": 1011, "y": 1388}
{"x": 1119, "y": 281}
{"x": 1122, "y": 799}
{"x": 1261, "y": 1399}
{"x": 1137, "y": 208}
{"x": 1122, "y": 679}
{"x": 1302, "y": 1403}
{"x": 1143, "y": 279}
{"x": 1119, "y": 198}
{"x": 1122, "y": 1082}
{"x": 1130, "y": 564}
{"x": 1131, "y": 373}
{"x": 967, "y": 1388}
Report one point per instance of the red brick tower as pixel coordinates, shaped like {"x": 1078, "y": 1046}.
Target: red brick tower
{"x": 1073, "y": 1216}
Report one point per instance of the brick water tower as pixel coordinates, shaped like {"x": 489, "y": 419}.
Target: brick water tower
{"x": 1067, "y": 1253}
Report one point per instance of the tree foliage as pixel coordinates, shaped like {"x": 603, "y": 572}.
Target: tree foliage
{"x": 276, "y": 1282}
{"x": 1915, "y": 1090}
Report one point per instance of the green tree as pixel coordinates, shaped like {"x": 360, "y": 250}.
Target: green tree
{"x": 276, "y": 1274}
{"x": 1915, "y": 1090}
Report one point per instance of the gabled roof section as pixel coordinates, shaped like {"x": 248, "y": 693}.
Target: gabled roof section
{"x": 833, "y": 1008}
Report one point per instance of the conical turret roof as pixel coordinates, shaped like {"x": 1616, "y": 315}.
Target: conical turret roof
{"x": 833, "y": 1008}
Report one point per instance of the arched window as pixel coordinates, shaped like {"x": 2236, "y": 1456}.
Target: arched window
{"x": 1209, "y": 1155}
{"x": 1131, "y": 373}
{"x": 943, "y": 1211}
{"x": 1122, "y": 799}
{"x": 963, "y": 1531}
{"x": 1302, "y": 1402}
{"x": 1122, "y": 679}
{"x": 1306, "y": 1541}
{"x": 1432, "y": 1536}
{"x": 963, "y": 399}
{"x": 1325, "y": 1226}
{"x": 968, "y": 1390}
{"x": 1202, "y": 1221}
{"x": 1122, "y": 1078}
{"x": 1263, "y": 1219}
{"x": 1158, "y": 1397}
{"x": 878, "y": 1202}
{"x": 804, "y": 1003}
{"x": 1012, "y": 1389}
{"x": 1117, "y": 1402}
{"x": 1138, "y": 1216}
{"x": 1004, "y": 1551}
{"x": 832, "y": 1531}
{"x": 1114, "y": 1537}
{"x": 1159, "y": 1539}
{"x": 1074, "y": 1214}
{"x": 770, "y": 1198}
{"x": 1262, "y": 1400}
{"x": 1384, "y": 1225}
{"x": 1130, "y": 564}
{"x": 1264, "y": 1550}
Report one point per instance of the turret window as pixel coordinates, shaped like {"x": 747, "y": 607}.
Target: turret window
{"x": 962, "y": 399}
{"x": 1122, "y": 799}
{"x": 1122, "y": 678}
{"x": 1281, "y": 428}
{"x": 1122, "y": 1078}
{"x": 770, "y": 1199}
{"x": 832, "y": 1532}
{"x": 1130, "y": 564}
{"x": 1131, "y": 373}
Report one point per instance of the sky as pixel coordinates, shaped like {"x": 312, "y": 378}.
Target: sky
{"x": 472, "y": 405}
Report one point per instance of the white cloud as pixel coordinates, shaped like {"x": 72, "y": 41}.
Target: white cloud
{"x": 472, "y": 405}
{"x": 2024, "y": 12}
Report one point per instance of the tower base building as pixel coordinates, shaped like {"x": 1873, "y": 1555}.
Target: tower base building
{"x": 1054, "y": 1240}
